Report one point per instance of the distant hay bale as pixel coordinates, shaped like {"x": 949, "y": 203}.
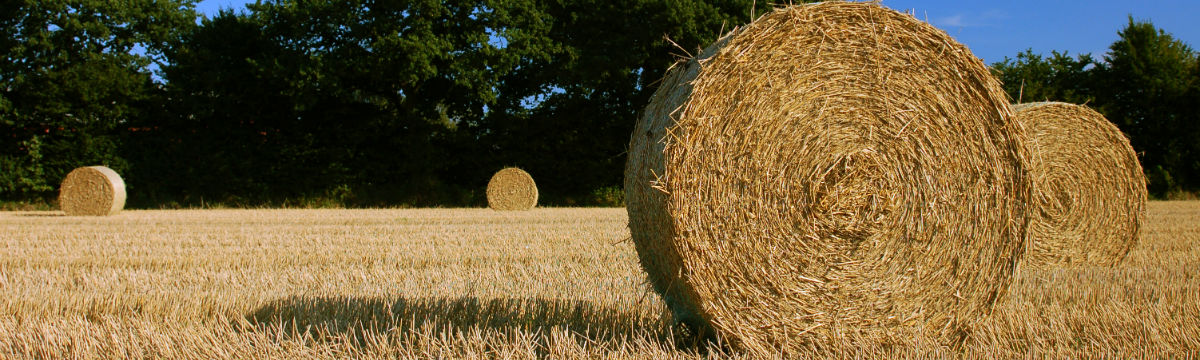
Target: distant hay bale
{"x": 829, "y": 171}
{"x": 512, "y": 189}
{"x": 1089, "y": 189}
{"x": 92, "y": 191}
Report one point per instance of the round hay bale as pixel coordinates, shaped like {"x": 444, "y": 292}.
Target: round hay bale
{"x": 829, "y": 171}
{"x": 92, "y": 191}
{"x": 1089, "y": 189}
{"x": 512, "y": 189}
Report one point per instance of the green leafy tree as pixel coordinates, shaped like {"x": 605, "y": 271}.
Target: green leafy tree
{"x": 1149, "y": 85}
{"x": 1031, "y": 77}
{"x": 329, "y": 96}
{"x": 76, "y": 72}
{"x": 210, "y": 137}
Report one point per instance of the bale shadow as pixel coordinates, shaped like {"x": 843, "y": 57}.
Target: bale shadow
{"x": 45, "y": 214}
{"x": 356, "y": 316}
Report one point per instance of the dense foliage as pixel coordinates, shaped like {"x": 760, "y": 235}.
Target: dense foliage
{"x": 417, "y": 102}
{"x": 74, "y": 75}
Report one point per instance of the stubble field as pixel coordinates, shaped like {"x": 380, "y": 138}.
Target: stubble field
{"x": 475, "y": 283}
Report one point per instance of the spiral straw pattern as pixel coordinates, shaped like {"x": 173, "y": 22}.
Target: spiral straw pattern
{"x": 1089, "y": 189}
{"x": 830, "y": 171}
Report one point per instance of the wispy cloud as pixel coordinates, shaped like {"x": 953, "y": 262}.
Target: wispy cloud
{"x": 951, "y": 21}
{"x": 961, "y": 20}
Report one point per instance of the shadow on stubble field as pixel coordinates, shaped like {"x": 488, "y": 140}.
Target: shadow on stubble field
{"x": 338, "y": 315}
{"x": 357, "y": 319}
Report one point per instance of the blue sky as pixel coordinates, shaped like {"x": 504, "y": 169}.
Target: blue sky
{"x": 995, "y": 29}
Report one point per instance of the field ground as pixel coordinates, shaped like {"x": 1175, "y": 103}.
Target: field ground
{"x": 472, "y": 283}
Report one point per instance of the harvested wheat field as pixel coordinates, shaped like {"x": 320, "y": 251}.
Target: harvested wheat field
{"x": 476, "y": 283}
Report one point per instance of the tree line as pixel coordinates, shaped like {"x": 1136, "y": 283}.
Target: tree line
{"x": 418, "y": 102}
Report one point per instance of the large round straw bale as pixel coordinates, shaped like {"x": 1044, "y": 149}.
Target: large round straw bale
{"x": 92, "y": 190}
{"x": 512, "y": 189}
{"x": 1088, "y": 186}
{"x": 830, "y": 171}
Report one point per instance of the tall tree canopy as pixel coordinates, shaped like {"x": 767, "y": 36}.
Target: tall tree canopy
{"x": 75, "y": 73}
{"x": 296, "y": 96}
{"x": 1149, "y": 90}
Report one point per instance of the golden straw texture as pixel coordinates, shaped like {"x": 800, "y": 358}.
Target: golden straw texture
{"x": 1089, "y": 190}
{"x": 92, "y": 190}
{"x": 512, "y": 189}
{"x": 829, "y": 172}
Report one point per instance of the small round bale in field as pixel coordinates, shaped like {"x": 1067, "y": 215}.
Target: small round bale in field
{"x": 1089, "y": 189}
{"x": 830, "y": 171}
{"x": 92, "y": 191}
{"x": 512, "y": 189}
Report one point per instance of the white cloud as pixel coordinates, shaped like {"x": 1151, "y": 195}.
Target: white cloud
{"x": 951, "y": 21}
{"x": 960, "y": 20}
